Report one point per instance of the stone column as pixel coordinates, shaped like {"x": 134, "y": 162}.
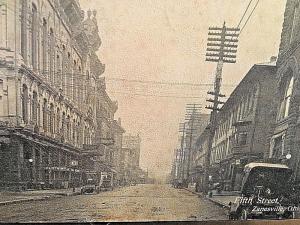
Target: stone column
{"x": 33, "y": 165}
{"x": 20, "y": 161}
{"x": 59, "y": 164}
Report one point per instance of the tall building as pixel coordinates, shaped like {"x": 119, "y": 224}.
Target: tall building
{"x": 49, "y": 79}
{"x": 244, "y": 124}
{"x": 285, "y": 139}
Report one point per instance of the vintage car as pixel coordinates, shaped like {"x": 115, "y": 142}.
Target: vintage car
{"x": 106, "y": 185}
{"x": 90, "y": 187}
{"x": 266, "y": 192}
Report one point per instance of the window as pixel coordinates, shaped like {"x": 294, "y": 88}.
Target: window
{"x": 57, "y": 120}
{"x": 278, "y": 147}
{"x": 63, "y": 69}
{"x": 74, "y": 80}
{"x": 63, "y": 124}
{"x": 45, "y": 115}
{"x": 242, "y": 138}
{"x": 34, "y": 107}
{"x": 68, "y": 128}
{"x": 286, "y": 94}
{"x": 295, "y": 24}
{"x": 1, "y": 89}
{"x": 24, "y": 104}
{"x": 34, "y": 30}
{"x": 51, "y": 55}
{"x": 52, "y": 119}
{"x": 24, "y": 31}
{"x": 74, "y": 131}
{"x": 44, "y": 46}
{"x": 58, "y": 82}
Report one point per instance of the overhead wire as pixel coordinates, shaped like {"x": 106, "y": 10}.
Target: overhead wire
{"x": 249, "y": 16}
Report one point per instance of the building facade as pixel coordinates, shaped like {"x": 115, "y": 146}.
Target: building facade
{"x": 130, "y": 159}
{"x": 195, "y": 125}
{"x": 49, "y": 75}
{"x": 198, "y": 159}
{"x": 285, "y": 139}
{"x": 244, "y": 126}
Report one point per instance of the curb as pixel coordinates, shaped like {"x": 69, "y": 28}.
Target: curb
{"x": 216, "y": 202}
{"x": 26, "y": 200}
{"x": 59, "y": 195}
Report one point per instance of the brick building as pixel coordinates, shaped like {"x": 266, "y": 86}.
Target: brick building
{"x": 285, "y": 138}
{"x": 244, "y": 125}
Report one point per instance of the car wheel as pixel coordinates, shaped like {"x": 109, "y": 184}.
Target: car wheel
{"x": 244, "y": 214}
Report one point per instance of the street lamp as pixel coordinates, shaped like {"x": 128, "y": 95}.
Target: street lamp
{"x": 31, "y": 172}
{"x": 74, "y": 163}
{"x": 288, "y": 156}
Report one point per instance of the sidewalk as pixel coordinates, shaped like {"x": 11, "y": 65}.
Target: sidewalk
{"x": 7, "y": 197}
{"x": 221, "y": 199}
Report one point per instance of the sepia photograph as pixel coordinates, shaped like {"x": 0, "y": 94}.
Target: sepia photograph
{"x": 182, "y": 111}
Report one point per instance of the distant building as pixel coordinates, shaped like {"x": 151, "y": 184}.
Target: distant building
{"x": 130, "y": 160}
{"x": 134, "y": 143}
{"x": 118, "y": 132}
{"x": 192, "y": 133}
{"x": 199, "y": 157}
{"x": 285, "y": 139}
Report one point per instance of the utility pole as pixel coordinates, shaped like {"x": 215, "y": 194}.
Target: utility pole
{"x": 192, "y": 114}
{"x": 221, "y": 48}
{"x": 182, "y": 130}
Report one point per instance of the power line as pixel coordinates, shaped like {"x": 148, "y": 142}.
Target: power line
{"x": 159, "y": 96}
{"x": 164, "y": 82}
{"x": 249, "y": 16}
{"x": 83, "y": 78}
{"x": 244, "y": 13}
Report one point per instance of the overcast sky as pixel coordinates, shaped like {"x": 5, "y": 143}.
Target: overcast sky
{"x": 165, "y": 40}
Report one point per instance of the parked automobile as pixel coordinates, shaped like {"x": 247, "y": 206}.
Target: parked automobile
{"x": 266, "y": 192}
{"x": 90, "y": 187}
{"x": 106, "y": 185}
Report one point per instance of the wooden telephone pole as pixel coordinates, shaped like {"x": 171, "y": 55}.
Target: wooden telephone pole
{"x": 221, "y": 48}
{"x": 192, "y": 118}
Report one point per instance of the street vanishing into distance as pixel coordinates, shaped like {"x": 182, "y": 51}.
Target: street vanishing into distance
{"x": 142, "y": 202}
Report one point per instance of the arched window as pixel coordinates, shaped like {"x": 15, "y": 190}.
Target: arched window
{"x": 63, "y": 68}
{"x": 63, "y": 124}
{"x": 51, "y": 55}
{"x": 57, "y": 120}
{"x": 74, "y": 83}
{"x": 52, "y": 119}
{"x": 74, "y": 131}
{"x": 34, "y": 107}
{"x": 24, "y": 20}
{"x": 69, "y": 76}
{"x": 85, "y": 90}
{"x": 44, "y": 47}
{"x": 58, "y": 82}
{"x": 45, "y": 116}
{"x": 34, "y": 30}
{"x": 286, "y": 90}
{"x": 25, "y": 104}
{"x": 68, "y": 126}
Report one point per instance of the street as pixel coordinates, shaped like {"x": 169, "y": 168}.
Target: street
{"x": 134, "y": 203}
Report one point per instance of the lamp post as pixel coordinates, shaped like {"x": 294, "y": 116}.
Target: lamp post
{"x": 31, "y": 172}
{"x": 74, "y": 163}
